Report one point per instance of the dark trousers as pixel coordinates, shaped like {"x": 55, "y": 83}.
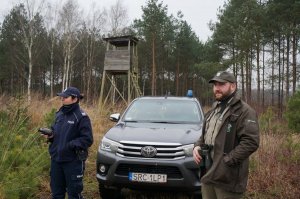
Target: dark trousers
{"x": 67, "y": 177}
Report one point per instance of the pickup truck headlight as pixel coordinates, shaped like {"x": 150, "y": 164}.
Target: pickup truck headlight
{"x": 188, "y": 149}
{"x": 108, "y": 145}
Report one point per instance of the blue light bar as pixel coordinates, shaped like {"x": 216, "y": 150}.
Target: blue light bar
{"x": 189, "y": 93}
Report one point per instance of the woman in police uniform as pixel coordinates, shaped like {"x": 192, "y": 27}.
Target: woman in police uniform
{"x": 72, "y": 136}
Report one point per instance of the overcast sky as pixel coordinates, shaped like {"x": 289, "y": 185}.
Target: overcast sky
{"x": 198, "y": 13}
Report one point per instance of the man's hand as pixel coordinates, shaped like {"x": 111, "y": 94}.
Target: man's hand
{"x": 196, "y": 155}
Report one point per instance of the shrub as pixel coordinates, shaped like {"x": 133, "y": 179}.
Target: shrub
{"x": 22, "y": 157}
{"x": 274, "y": 167}
{"x": 269, "y": 123}
{"x": 291, "y": 149}
{"x": 292, "y": 113}
{"x": 49, "y": 117}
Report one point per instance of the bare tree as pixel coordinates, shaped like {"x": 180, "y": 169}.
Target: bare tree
{"x": 117, "y": 18}
{"x": 94, "y": 26}
{"x": 69, "y": 22}
{"x": 29, "y": 32}
{"x": 51, "y": 25}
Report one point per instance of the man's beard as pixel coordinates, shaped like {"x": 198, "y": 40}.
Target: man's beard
{"x": 219, "y": 96}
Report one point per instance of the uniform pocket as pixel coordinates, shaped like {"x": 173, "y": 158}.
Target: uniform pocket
{"x": 225, "y": 174}
{"x": 76, "y": 184}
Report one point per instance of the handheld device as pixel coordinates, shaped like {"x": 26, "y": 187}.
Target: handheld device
{"x": 204, "y": 151}
{"x": 45, "y": 131}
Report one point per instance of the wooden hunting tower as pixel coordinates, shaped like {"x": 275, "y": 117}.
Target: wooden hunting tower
{"x": 120, "y": 69}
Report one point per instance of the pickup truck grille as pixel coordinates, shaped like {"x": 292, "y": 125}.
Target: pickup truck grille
{"x": 162, "y": 150}
{"x": 172, "y": 172}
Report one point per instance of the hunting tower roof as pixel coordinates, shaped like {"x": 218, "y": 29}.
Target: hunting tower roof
{"x": 121, "y": 40}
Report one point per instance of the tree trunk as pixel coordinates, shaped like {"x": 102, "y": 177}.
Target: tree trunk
{"x": 29, "y": 73}
{"x": 64, "y": 71}
{"x": 243, "y": 80}
{"x": 52, "y": 67}
{"x": 263, "y": 77}
{"x": 273, "y": 74}
{"x": 258, "y": 70}
{"x": 153, "y": 83}
{"x": 279, "y": 75}
{"x": 287, "y": 88}
{"x": 247, "y": 54}
{"x": 177, "y": 78}
{"x": 294, "y": 62}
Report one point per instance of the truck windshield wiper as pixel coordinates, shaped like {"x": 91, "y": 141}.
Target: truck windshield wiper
{"x": 133, "y": 121}
{"x": 165, "y": 122}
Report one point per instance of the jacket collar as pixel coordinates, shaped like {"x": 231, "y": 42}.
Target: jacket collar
{"x": 69, "y": 108}
{"x": 230, "y": 102}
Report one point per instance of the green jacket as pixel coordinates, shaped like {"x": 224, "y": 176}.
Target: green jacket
{"x": 236, "y": 140}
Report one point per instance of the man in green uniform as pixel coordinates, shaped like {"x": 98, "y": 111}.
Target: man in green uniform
{"x": 230, "y": 135}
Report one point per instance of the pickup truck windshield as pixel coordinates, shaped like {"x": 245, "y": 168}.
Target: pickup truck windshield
{"x": 164, "y": 111}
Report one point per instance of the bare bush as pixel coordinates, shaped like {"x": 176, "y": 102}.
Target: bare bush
{"x": 274, "y": 174}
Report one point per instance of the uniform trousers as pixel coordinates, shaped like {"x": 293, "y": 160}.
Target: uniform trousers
{"x": 212, "y": 192}
{"x": 67, "y": 177}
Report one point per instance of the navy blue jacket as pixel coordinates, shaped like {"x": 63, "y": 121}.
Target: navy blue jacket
{"x": 72, "y": 132}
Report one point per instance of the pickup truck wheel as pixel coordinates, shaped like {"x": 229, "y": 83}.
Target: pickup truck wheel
{"x": 109, "y": 193}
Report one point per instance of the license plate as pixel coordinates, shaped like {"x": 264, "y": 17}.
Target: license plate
{"x": 147, "y": 177}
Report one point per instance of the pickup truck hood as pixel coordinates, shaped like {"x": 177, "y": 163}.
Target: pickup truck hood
{"x": 155, "y": 132}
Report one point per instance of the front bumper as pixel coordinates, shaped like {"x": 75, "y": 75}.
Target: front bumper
{"x": 182, "y": 174}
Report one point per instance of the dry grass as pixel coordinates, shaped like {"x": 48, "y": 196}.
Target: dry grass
{"x": 100, "y": 123}
{"x": 39, "y": 107}
{"x": 274, "y": 169}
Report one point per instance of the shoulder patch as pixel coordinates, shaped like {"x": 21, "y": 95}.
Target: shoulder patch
{"x": 82, "y": 112}
{"x": 251, "y": 121}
